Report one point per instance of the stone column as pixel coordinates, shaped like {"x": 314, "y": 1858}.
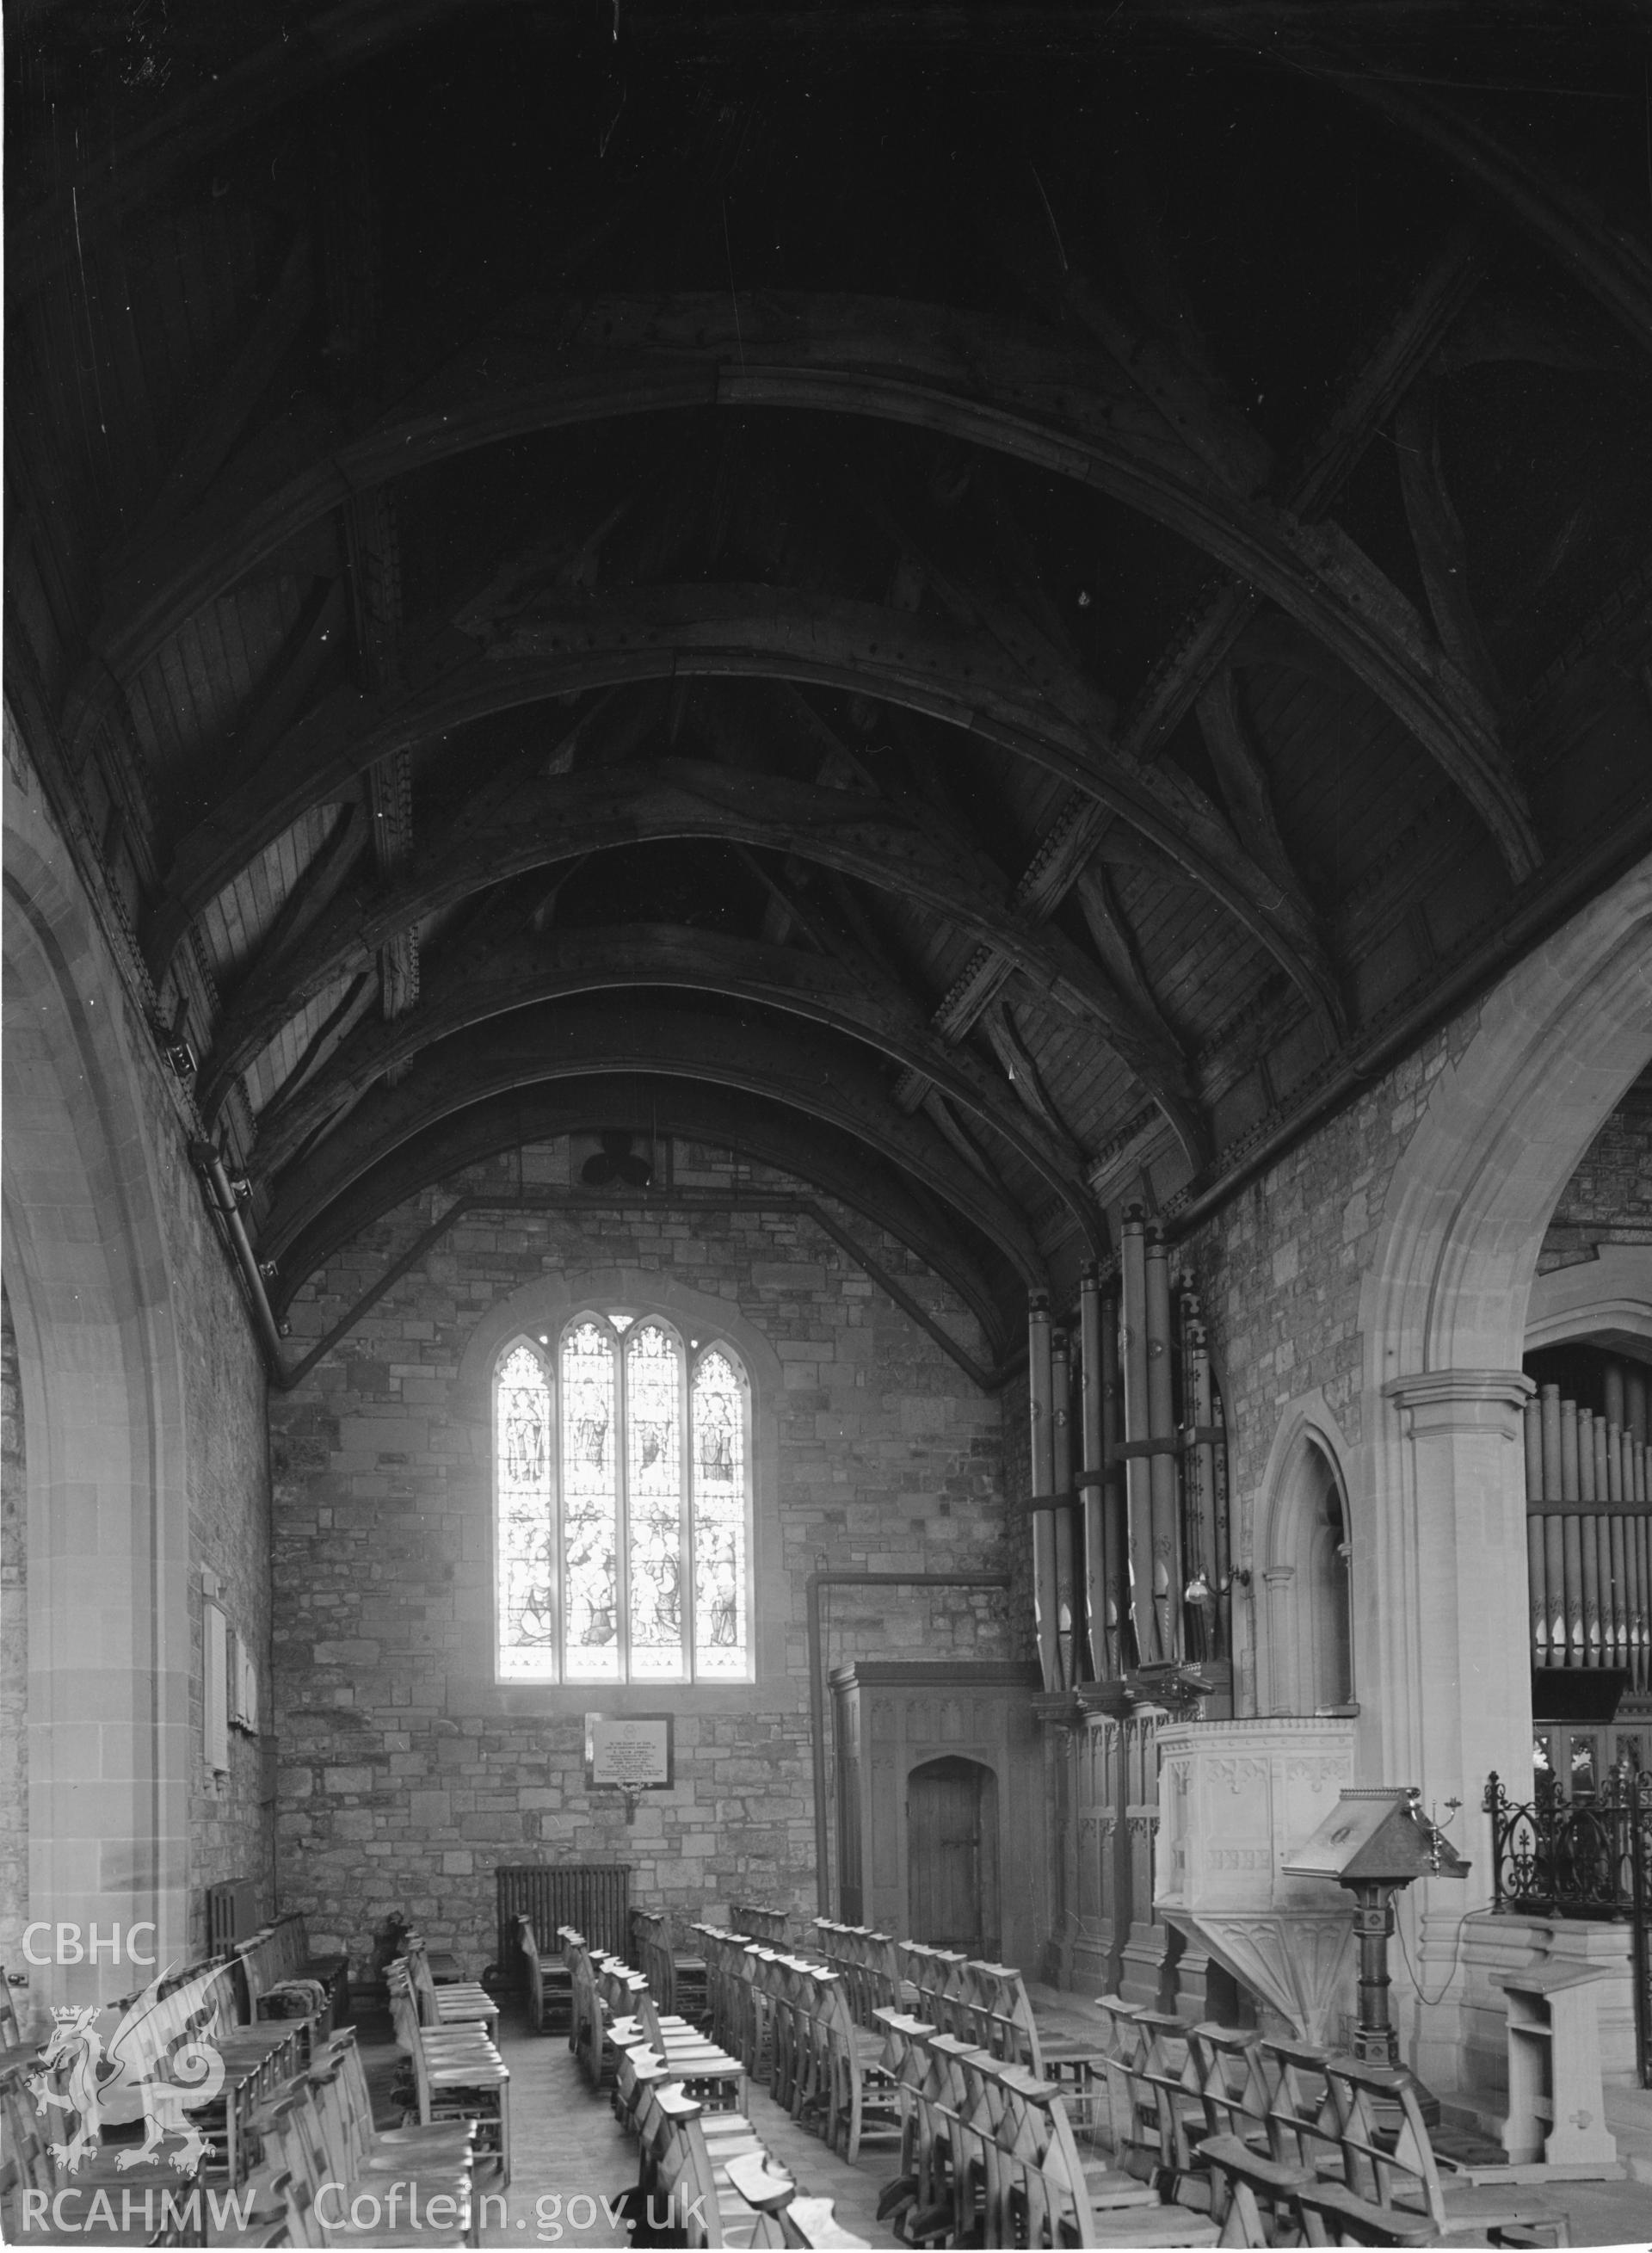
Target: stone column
{"x": 1450, "y": 1651}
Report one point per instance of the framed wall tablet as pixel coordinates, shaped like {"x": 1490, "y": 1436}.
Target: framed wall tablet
{"x": 635, "y": 1753}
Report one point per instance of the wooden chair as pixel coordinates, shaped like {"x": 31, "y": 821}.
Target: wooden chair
{"x": 460, "y": 2003}
{"x": 11, "y": 2028}
{"x": 1397, "y": 2173}
{"x": 1254, "y": 2199}
{"x": 31, "y": 2162}
{"x": 783, "y": 2218}
{"x": 548, "y": 1986}
{"x": 862, "y": 2103}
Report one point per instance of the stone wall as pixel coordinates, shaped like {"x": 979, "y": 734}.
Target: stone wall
{"x": 1280, "y": 1272}
{"x": 14, "y": 1652}
{"x": 231, "y": 1815}
{"x": 1608, "y": 1200}
{"x": 408, "y": 1774}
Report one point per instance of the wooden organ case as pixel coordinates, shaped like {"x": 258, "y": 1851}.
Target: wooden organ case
{"x": 938, "y": 1783}
{"x": 1589, "y": 1565}
{"x": 1131, "y": 1587}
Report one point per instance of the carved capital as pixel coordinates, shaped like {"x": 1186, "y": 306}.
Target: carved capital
{"x": 1438, "y": 1401}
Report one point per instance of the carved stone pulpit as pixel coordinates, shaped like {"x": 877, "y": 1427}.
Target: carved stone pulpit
{"x": 1236, "y": 1799}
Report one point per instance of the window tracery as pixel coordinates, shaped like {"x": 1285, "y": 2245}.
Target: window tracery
{"x": 623, "y": 1506}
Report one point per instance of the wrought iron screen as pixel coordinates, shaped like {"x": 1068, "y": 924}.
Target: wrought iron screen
{"x": 1584, "y": 1857}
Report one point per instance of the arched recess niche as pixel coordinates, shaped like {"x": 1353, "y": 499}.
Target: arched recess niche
{"x": 540, "y": 1309}
{"x": 1304, "y": 1633}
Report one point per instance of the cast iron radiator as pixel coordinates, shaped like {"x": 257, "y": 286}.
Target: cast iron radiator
{"x": 593, "y": 1897}
{"x": 232, "y": 1914}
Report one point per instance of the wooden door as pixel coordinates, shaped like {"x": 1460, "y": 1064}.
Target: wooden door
{"x": 951, "y": 1837}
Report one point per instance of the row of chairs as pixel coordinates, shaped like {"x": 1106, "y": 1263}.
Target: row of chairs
{"x": 704, "y": 2174}
{"x": 868, "y": 1961}
{"x": 988, "y": 2156}
{"x": 1286, "y": 2145}
{"x": 334, "y": 2179}
{"x": 458, "y": 2075}
{"x": 792, "y": 2022}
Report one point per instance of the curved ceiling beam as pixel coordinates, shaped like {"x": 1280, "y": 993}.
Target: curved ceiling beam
{"x": 727, "y": 1117}
{"x": 565, "y": 818}
{"x": 564, "y": 966}
{"x": 753, "y": 633}
{"x": 1612, "y": 264}
{"x": 928, "y": 366}
{"x": 318, "y": 49}
{"x": 829, "y": 1082}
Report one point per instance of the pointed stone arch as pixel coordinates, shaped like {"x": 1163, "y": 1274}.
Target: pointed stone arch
{"x": 110, "y": 1667}
{"x": 1302, "y": 1585}
{"x": 1439, "y": 1484}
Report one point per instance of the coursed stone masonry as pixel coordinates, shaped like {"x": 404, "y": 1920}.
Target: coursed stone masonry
{"x": 407, "y": 1774}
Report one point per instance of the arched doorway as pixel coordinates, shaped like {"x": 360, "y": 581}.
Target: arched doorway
{"x": 951, "y": 1863}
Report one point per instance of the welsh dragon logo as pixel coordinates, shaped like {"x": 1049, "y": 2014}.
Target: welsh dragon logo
{"x": 159, "y": 2059}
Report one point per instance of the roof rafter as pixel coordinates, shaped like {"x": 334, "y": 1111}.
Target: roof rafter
{"x": 929, "y": 365}
{"x": 666, "y": 633}
{"x": 728, "y": 1118}
{"x": 478, "y": 985}
{"x": 587, "y": 812}
{"x": 563, "y": 1041}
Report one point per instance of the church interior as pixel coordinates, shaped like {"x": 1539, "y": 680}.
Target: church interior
{"x": 828, "y": 1030}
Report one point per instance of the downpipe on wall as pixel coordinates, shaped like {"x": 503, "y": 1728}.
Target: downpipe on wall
{"x": 209, "y": 1162}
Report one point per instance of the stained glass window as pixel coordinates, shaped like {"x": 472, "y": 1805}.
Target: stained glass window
{"x": 623, "y": 1507}
{"x": 720, "y": 1518}
{"x": 526, "y": 1529}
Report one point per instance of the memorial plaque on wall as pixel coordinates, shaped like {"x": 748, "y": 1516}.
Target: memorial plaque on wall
{"x": 636, "y": 1752}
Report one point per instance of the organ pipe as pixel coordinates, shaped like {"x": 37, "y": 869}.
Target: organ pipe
{"x": 1066, "y": 1528}
{"x": 1132, "y": 1342}
{"x": 1571, "y": 1532}
{"x": 1536, "y": 1577}
{"x": 1040, "y": 1396}
{"x": 1168, "y": 1579}
{"x": 1115, "y": 1522}
{"x": 1204, "y": 1570}
{"x": 1092, "y": 1476}
{"x": 1589, "y": 1528}
{"x": 1130, "y": 1540}
{"x": 1587, "y": 1540}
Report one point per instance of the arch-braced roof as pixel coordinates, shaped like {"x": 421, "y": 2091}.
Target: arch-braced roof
{"x": 1004, "y": 599}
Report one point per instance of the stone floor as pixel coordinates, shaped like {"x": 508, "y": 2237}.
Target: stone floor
{"x": 572, "y": 2164}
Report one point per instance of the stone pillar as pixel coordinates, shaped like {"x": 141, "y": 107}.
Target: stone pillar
{"x": 1449, "y": 1641}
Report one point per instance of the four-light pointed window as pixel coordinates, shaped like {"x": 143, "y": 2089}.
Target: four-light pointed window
{"x": 623, "y": 1511}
